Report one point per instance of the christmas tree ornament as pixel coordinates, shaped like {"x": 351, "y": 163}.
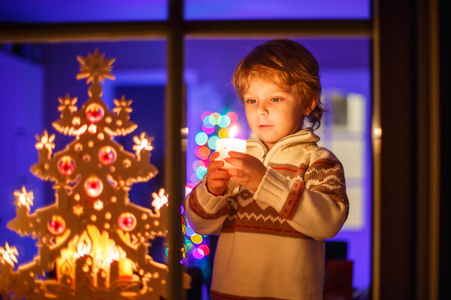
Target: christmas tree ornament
{"x": 93, "y": 186}
{"x": 56, "y": 225}
{"x": 94, "y": 113}
{"x": 66, "y": 165}
{"x": 107, "y": 155}
{"x": 93, "y": 238}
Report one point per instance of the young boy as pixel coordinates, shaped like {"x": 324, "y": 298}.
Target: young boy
{"x": 279, "y": 202}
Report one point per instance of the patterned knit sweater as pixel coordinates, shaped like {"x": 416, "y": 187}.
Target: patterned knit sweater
{"x": 271, "y": 242}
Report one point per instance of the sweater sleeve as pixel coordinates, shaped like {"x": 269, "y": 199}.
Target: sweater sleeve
{"x": 315, "y": 204}
{"x": 205, "y": 212}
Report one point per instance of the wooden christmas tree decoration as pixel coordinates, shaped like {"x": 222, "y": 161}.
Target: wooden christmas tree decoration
{"x": 93, "y": 237}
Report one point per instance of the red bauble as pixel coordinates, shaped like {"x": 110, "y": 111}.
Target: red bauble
{"x": 93, "y": 186}
{"x": 107, "y": 155}
{"x": 127, "y": 221}
{"x": 56, "y": 225}
{"x": 94, "y": 113}
{"x": 66, "y": 165}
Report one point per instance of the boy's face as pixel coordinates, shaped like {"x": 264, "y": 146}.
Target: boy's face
{"x": 272, "y": 111}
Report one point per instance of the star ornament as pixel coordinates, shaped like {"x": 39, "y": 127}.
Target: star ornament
{"x": 160, "y": 199}
{"x": 23, "y": 198}
{"x": 45, "y": 141}
{"x": 8, "y": 254}
{"x": 77, "y": 210}
{"x": 122, "y": 105}
{"x": 67, "y": 103}
{"x": 143, "y": 142}
{"x": 95, "y": 67}
{"x": 98, "y": 205}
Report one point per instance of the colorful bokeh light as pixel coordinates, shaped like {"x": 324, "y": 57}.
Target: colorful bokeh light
{"x": 201, "y": 138}
{"x": 215, "y": 125}
{"x": 204, "y": 248}
{"x": 197, "y": 164}
{"x": 223, "y": 121}
{"x": 197, "y": 239}
{"x": 223, "y": 133}
{"x": 202, "y": 152}
{"x": 208, "y": 122}
{"x": 200, "y": 172}
{"x": 212, "y": 142}
{"x": 208, "y": 130}
{"x": 205, "y": 114}
{"x": 233, "y": 117}
{"x": 197, "y": 254}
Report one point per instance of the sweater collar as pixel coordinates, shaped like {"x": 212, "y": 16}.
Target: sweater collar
{"x": 305, "y": 135}
{"x": 259, "y": 149}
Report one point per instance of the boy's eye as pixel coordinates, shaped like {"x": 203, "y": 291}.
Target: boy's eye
{"x": 276, "y": 99}
{"x": 251, "y": 101}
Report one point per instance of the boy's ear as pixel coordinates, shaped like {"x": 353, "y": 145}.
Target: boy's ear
{"x": 309, "y": 107}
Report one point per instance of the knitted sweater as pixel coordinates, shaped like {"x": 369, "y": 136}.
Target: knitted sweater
{"x": 271, "y": 242}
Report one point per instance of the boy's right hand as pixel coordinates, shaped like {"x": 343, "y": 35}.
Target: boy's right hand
{"x": 217, "y": 178}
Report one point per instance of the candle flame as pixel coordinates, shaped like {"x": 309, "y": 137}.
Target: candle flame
{"x": 66, "y": 268}
{"x": 233, "y": 131}
{"x": 84, "y": 244}
{"x": 22, "y": 199}
{"x": 101, "y": 261}
{"x": 113, "y": 253}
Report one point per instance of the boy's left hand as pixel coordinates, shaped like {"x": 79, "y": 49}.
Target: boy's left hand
{"x": 247, "y": 171}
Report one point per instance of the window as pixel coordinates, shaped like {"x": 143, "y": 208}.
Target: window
{"x": 210, "y": 50}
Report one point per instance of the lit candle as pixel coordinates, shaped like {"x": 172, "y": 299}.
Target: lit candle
{"x": 66, "y": 272}
{"x": 101, "y": 279}
{"x": 83, "y": 264}
{"x": 23, "y": 202}
{"x": 114, "y": 271}
{"x": 83, "y": 269}
{"x": 223, "y": 146}
{"x": 21, "y": 213}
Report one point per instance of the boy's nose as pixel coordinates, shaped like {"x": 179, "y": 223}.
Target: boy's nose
{"x": 262, "y": 109}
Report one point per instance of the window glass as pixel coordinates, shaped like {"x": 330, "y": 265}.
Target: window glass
{"x": 345, "y": 75}
{"x": 276, "y": 9}
{"x": 48, "y": 11}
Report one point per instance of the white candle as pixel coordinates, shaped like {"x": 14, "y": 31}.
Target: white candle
{"x": 223, "y": 146}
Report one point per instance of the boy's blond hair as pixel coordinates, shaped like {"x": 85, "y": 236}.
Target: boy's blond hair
{"x": 286, "y": 63}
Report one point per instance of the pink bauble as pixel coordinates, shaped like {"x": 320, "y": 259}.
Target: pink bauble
{"x": 93, "y": 186}
{"x": 127, "y": 221}
{"x": 94, "y": 113}
{"x": 66, "y": 165}
{"x": 107, "y": 155}
{"x": 56, "y": 225}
